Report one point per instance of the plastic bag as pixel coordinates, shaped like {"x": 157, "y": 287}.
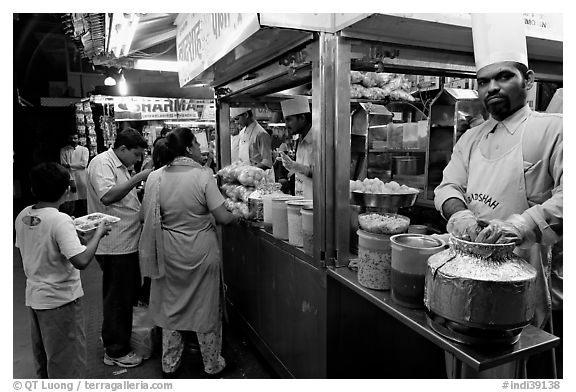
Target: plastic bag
{"x": 145, "y": 335}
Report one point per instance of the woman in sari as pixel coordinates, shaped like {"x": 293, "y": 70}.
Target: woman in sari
{"x": 179, "y": 250}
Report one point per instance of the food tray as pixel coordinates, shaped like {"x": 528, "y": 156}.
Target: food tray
{"x": 90, "y": 222}
{"x": 383, "y": 200}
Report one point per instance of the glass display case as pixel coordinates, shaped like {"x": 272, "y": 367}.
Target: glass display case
{"x": 452, "y": 113}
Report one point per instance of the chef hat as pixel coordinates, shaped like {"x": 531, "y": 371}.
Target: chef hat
{"x": 497, "y": 38}
{"x": 294, "y": 106}
{"x": 234, "y": 112}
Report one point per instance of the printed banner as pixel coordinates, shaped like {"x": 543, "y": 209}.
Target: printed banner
{"x": 148, "y": 108}
{"x": 203, "y": 39}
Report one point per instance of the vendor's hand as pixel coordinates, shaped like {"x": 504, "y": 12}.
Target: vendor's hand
{"x": 513, "y": 230}
{"x": 292, "y": 166}
{"x": 463, "y": 224}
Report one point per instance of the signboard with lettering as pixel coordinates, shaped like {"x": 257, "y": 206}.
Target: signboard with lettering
{"x": 546, "y": 26}
{"x": 203, "y": 39}
{"x": 148, "y": 108}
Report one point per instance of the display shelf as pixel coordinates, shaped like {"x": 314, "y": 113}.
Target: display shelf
{"x": 398, "y": 150}
{"x": 383, "y": 101}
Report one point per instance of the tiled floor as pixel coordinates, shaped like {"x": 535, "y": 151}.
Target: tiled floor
{"x": 249, "y": 363}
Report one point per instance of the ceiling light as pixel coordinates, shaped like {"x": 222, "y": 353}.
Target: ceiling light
{"x": 109, "y": 81}
{"x": 156, "y": 65}
{"x": 122, "y": 86}
{"x": 121, "y": 33}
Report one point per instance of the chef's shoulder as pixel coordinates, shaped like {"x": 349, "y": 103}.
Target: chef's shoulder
{"x": 474, "y": 134}
{"x": 550, "y": 124}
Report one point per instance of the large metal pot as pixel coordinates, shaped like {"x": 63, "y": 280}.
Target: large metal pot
{"x": 483, "y": 286}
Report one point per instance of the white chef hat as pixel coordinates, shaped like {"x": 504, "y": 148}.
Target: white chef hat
{"x": 234, "y": 112}
{"x": 294, "y": 106}
{"x": 497, "y": 38}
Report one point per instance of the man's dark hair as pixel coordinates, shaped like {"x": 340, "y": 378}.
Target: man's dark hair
{"x": 49, "y": 181}
{"x": 523, "y": 70}
{"x": 130, "y": 138}
{"x": 161, "y": 155}
{"x": 178, "y": 139}
{"x": 164, "y": 131}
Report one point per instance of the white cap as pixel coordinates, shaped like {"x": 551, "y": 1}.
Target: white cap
{"x": 294, "y": 106}
{"x": 234, "y": 112}
{"x": 498, "y": 38}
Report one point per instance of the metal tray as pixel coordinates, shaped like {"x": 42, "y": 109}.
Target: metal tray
{"x": 383, "y": 200}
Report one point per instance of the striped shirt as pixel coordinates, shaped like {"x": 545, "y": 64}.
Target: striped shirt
{"x": 104, "y": 172}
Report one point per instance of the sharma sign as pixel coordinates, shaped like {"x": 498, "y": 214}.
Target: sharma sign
{"x": 203, "y": 39}
{"x": 145, "y": 108}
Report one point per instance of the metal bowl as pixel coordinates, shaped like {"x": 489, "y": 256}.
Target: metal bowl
{"x": 383, "y": 200}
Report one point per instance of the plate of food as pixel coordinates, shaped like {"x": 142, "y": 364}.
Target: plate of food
{"x": 90, "y": 222}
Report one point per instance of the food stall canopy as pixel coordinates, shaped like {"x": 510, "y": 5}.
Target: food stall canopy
{"x": 215, "y": 48}
{"x": 453, "y": 32}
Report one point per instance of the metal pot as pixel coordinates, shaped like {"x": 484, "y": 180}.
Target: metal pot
{"x": 480, "y": 287}
{"x": 406, "y": 165}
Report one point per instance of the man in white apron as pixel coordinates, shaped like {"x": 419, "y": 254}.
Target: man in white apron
{"x": 254, "y": 144}
{"x": 507, "y": 171}
{"x": 75, "y": 158}
{"x": 298, "y": 120}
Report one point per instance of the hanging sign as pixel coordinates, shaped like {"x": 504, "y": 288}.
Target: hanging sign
{"x": 148, "y": 108}
{"x": 203, "y": 39}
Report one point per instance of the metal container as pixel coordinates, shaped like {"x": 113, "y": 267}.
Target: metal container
{"x": 406, "y": 165}
{"x": 374, "y": 264}
{"x": 410, "y": 253}
{"x": 383, "y": 200}
{"x": 480, "y": 287}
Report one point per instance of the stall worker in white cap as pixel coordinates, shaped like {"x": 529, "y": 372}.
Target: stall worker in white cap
{"x": 254, "y": 145}
{"x": 298, "y": 120}
{"x": 508, "y": 171}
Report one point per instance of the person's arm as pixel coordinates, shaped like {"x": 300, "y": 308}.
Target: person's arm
{"x": 223, "y": 216}
{"x": 541, "y": 223}
{"x": 452, "y": 206}
{"x": 119, "y": 191}
{"x": 83, "y": 161}
{"x": 70, "y": 246}
{"x": 293, "y": 166}
{"x": 547, "y": 218}
{"x": 264, "y": 143}
{"x": 215, "y": 202}
{"x": 64, "y": 159}
{"x": 81, "y": 260}
{"x": 454, "y": 180}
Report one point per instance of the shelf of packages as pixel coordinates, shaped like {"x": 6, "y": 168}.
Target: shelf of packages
{"x": 398, "y": 150}
{"x": 383, "y": 102}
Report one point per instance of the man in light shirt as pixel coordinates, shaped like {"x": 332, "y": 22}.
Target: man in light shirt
{"x": 254, "y": 146}
{"x": 298, "y": 119}
{"x": 75, "y": 158}
{"x": 508, "y": 171}
{"x": 111, "y": 190}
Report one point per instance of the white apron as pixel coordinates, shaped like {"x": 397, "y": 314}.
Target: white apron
{"x": 496, "y": 189}
{"x": 244, "y": 145}
{"x": 303, "y": 185}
